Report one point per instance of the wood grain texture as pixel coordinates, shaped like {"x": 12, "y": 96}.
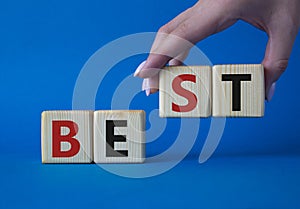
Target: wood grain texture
{"x": 252, "y": 92}
{"x": 133, "y": 133}
{"x": 201, "y": 88}
{"x": 84, "y": 120}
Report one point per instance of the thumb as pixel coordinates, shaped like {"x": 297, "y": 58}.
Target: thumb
{"x": 277, "y": 54}
{"x": 166, "y": 47}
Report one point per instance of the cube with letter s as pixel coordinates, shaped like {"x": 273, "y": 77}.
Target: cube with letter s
{"x": 185, "y": 91}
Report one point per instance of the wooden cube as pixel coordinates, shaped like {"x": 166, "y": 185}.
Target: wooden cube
{"x": 67, "y": 136}
{"x": 119, "y": 136}
{"x": 185, "y": 91}
{"x": 238, "y": 91}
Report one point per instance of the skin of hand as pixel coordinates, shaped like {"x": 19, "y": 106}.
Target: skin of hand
{"x": 280, "y": 19}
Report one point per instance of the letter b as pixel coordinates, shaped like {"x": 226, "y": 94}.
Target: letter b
{"x": 58, "y": 138}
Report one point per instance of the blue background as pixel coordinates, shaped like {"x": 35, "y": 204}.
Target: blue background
{"x": 43, "y": 46}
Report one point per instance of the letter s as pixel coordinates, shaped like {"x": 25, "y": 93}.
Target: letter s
{"x": 178, "y": 89}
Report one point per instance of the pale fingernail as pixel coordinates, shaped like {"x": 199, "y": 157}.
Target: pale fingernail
{"x": 148, "y": 92}
{"x": 271, "y": 92}
{"x": 145, "y": 84}
{"x": 139, "y": 68}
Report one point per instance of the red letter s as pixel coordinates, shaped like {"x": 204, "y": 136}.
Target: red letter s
{"x": 192, "y": 99}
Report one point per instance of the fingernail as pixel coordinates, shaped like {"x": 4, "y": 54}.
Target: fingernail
{"x": 146, "y": 87}
{"x": 148, "y": 92}
{"x": 271, "y": 92}
{"x": 139, "y": 68}
{"x": 145, "y": 84}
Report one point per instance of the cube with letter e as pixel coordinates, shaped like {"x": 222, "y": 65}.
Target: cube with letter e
{"x": 119, "y": 136}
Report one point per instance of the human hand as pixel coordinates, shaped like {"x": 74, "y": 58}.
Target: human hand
{"x": 280, "y": 19}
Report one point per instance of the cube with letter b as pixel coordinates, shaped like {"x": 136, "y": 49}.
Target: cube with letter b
{"x": 67, "y": 136}
{"x": 119, "y": 136}
{"x": 185, "y": 91}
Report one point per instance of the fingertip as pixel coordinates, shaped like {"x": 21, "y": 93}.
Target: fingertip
{"x": 153, "y": 65}
{"x": 139, "y": 68}
{"x": 175, "y": 62}
{"x": 150, "y": 85}
{"x": 148, "y": 92}
{"x": 148, "y": 72}
{"x": 153, "y": 91}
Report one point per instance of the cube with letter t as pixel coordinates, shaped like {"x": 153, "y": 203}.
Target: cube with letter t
{"x": 67, "y": 136}
{"x": 119, "y": 136}
{"x": 238, "y": 91}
